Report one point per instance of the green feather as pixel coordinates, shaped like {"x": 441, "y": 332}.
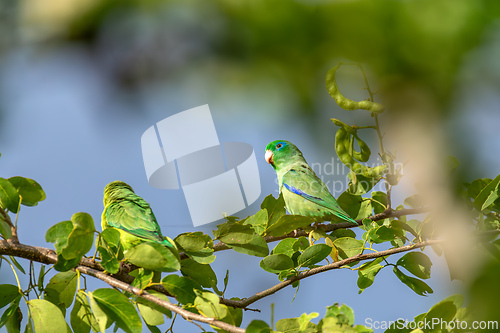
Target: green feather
{"x": 131, "y": 215}
{"x": 304, "y": 193}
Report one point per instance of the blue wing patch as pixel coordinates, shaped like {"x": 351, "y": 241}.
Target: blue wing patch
{"x": 301, "y": 193}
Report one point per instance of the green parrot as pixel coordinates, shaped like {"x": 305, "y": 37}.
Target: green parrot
{"x": 131, "y": 216}
{"x": 304, "y": 193}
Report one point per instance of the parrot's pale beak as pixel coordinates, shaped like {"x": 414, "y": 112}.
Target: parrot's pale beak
{"x": 269, "y": 157}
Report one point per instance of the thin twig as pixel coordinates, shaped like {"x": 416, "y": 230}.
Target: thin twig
{"x": 247, "y": 301}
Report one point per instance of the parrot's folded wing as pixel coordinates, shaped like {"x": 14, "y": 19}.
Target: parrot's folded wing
{"x": 135, "y": 219}
{"x": 305, "y": 183}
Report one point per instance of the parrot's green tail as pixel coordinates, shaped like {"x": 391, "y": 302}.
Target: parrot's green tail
{"x": 167, "y": 243}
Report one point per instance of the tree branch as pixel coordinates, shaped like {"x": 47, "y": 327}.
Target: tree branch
{"x": 220, "y": 246}
{"x": 252, "y": 299}
{"x": 167, "y": 305}
{"x": 120, "y": 280}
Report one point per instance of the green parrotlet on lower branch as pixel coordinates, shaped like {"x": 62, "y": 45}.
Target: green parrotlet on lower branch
{"x": 304, "y": 193}
{"x": 131, "y": 215}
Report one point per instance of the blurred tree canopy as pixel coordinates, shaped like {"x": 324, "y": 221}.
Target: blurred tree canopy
{"x": 418, "y": 43}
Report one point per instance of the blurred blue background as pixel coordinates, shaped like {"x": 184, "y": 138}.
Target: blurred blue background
{"x": 80, "y": 83}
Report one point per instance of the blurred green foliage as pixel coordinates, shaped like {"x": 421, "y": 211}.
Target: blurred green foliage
{"x": 415, "y": 43}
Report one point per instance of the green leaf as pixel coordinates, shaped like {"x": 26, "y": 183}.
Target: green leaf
{"x": 275, "y": 208}
{"x": 203, "y": 274}
{"x": 343, "y": 313}
{"x": 82, "y": 319}
{"x": 258, "y": 326}
{"x": 288, "y": 325}
{"x": 143, "y": 277}
{"x": 380, "y": 198}
{"x": 494, "y": 195}
{"x": 8, "y": 293}
{"x": 476, "y": 186}
{"x": 381, "y": 234}
{"x": 9, "y": 198}
{"x": 112, "y": 237}
{"x": 191, "y": 241}
{"x": 207, "y": 304}
{"x": 257, "y": 247}
{"x": 5, "y": 229}
{"x": 18, "y": 265}
{"x": 300, "y": 244}
{"x": 154, "y": 306}
{"x": 47, "y": 318}
{"x": 360, "y": 184}
{"x": 108, "y": 260}
{"x": 258, "y": 221}
{"x": 238, "y": 234}
{"x": 153, "y": 256}
{"x": 100, "y": 316}
{"x": 285, "y": 246}
{"x": 151, "y": 316}
{"x": 61, "y": 289}
{"x": 397, "y": 224}
{"x": 81, "y": 237}
{"x": 64, "y": 265}
{"x": 444, "y": 310}
{"x": 339, "y": 233}
{"x": 365, "y": 210}
{"x": 119, "y": 308}
{"x": 30, "y": 191}
{"x": 204, "y": 256}
{"x": 59, "y": 234}
{"x": 234, "y": 316}
{"x": 418, "y": 286}
{"x": 485, "y": 193}
{"x": 367, "y": 273}
{"x": 314, "y": 254}
{"x": 10, "y": 311}
{"x": 13, "y": 324}
{"x": 305, "y": 320}
{"x": 181, "y": 287}
{"x": 288, "y": 223}
{"x": 276, "y": 263}
{"x": 416, "y": 263}
{"x": 348, "y": 247}
{"x": 350, "y": 203}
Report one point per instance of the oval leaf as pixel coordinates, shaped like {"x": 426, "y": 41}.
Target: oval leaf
{"x": 416, "y": 263}
{"x": 203, "y": 274}
{"x": 418, "y": 286}
{"x": 30, "y": 191}
{"x": 153, "y": 256}
{"x": 47, "y": 318}
{"x": 61, "y": 289}
{"x": 288, "y": 223}
{"x": 348, "y": 247}
{"x": 181, "y": 287}
{"x": 9, "y": 198}
{"x": 8, "y": 293}
{"x": 276, "y": 263}
{"x": 119, "y": 309}
{"x": 314, "y": 254}
{"x": 257, "y": 247}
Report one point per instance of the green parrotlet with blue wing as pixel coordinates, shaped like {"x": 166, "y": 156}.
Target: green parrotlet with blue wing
{"x": 131, "y": 215}
{"x": 304, "y": 193}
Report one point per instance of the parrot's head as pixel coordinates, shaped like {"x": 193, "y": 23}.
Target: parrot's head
{"x": 116, "y": 190}
{"x": 281, "y": 152}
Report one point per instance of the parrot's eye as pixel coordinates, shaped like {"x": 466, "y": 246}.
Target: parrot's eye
{"x": 279, "y": 145}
